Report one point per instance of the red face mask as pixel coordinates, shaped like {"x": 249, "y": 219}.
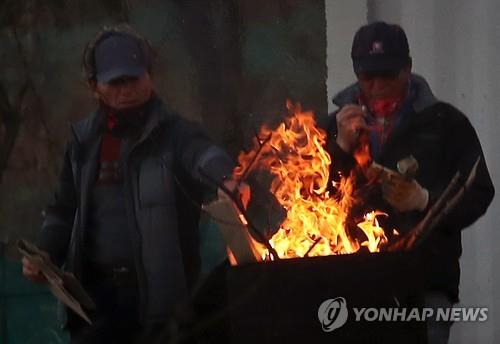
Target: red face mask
{"x": 384, "y": 107}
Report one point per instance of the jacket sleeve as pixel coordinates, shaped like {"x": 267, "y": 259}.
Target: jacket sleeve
{"x": 204, "y": 161}
{"x": 56, "y": 228}
{"x": 464, "y": 149}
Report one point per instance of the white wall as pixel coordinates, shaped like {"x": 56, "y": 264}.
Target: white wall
{"x": 455, "y": 44}
{"x": 343, "y": 18}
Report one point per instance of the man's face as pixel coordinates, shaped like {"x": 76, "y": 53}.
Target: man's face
{"x": 379, "y": 86}
{"x": 125, "y": 92}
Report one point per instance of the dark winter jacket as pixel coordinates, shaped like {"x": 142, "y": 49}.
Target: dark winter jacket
{"x": 443, "y": 141}
{"x": 162, "y": 185}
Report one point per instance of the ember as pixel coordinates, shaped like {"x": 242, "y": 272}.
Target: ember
{"x": 315, "y": 224}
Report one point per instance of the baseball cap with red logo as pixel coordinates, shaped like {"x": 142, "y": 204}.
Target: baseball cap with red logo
{"x": 380, "y": 48}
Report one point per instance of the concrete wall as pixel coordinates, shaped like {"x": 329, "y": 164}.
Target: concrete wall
{"x": 454, "y": 44}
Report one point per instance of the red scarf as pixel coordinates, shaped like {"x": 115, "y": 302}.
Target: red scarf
{"x": 384, "y": 110}
{"x": 110, "y": 153}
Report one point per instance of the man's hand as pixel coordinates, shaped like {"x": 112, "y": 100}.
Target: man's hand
{"x": 242, "y": 189}
{"x": 32, "y": 271}
{"x": 350, "y": 122}
{"x": 404, "y": 194}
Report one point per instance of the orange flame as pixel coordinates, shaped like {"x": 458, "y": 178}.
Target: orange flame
{"x": 315, "y": 225}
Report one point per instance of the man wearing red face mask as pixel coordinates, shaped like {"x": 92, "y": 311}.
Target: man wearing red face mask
{"x": 396, "y": 114}
{"x": 125, "y": 218}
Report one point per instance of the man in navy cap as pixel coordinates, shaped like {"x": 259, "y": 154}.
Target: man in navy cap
{"x": 395, "y": 114}
{"x": 124, "y": 220}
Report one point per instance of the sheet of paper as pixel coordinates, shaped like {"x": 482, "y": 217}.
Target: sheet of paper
{"x": 235, "y": 233}
{"x": 63, "y": 285}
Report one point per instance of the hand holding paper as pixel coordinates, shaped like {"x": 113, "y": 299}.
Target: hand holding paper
{"x": 38, "y": 267}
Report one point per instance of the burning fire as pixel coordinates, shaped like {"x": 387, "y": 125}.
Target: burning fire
{"x": 315, "y": 225}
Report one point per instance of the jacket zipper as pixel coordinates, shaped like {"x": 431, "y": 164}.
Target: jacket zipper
{"x": 141, "y": 277}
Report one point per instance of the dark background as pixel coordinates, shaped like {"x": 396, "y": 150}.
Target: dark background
{"x": 228, "y": 64}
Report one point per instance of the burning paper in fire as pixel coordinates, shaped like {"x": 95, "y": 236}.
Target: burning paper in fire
{"x": 316, "y": 219}
{"x": 294, "y": 155}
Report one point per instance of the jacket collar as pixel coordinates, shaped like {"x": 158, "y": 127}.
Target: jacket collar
{"x": 424, "y": 97}
{"x": 89, "y": 128}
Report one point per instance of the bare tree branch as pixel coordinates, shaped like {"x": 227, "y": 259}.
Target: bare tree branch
{"x": 11, "y": 113}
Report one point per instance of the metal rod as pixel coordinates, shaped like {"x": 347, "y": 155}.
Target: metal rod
{"x": 262, "y": 144}
{"x": 316, "y": 242}
{"x": 243, "y": 212}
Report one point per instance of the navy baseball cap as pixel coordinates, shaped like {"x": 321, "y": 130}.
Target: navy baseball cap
{"x": 119, "y": 55}
{"x": 380, "y": 48}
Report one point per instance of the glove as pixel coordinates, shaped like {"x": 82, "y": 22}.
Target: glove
{"x": 404, "y": 194}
